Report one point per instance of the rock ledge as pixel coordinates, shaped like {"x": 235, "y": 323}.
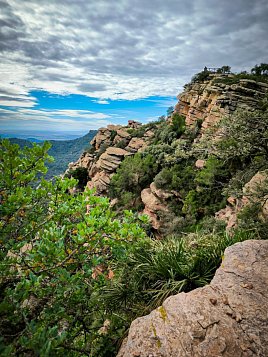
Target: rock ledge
{"x": 226, "y": 318}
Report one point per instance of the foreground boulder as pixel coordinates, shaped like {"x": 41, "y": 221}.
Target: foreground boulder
{"x": 226, "y": 318}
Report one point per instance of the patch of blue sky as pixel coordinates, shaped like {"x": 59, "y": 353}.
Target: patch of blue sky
{"x": 77, "y": 114}
{"x": 143, "y": 109}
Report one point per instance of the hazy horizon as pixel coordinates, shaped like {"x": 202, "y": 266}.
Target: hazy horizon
{"x": 42, "y": 136}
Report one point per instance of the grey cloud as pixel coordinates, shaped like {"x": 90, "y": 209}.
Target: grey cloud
{"x": 90, "y": 87}
{"x": 136, "y": 39}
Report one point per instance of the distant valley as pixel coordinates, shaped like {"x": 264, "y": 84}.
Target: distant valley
{"x": 63, "y": 151}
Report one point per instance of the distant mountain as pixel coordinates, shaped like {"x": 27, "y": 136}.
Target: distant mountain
{"x": 63, "y": 151}
{"x": 34, "y": 140}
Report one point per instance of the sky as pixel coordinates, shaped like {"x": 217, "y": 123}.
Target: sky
{"x": 69, "y": 66}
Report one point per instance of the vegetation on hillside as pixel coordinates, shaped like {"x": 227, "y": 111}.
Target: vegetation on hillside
{"x": 229, "y": 162}
{"x": 74, "y": 273}
{"x": 257, "y": 73}
{"x": 63, "y": 152}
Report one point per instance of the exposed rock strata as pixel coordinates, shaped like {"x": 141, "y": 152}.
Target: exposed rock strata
{"x": 136, "y": 144}
{"x": 85, "y": 160}
{"x": 210, "y": 100}
{"x": 107, "y": 156}
{"x": 227, "y": 318}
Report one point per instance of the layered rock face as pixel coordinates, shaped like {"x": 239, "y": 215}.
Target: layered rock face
{"x": 110, "y": 147}
{"x": 212, "y": 99}
{"x": 227, "y": 318}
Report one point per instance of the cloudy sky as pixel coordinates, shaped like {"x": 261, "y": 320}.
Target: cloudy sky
{"x": 75, "y": 65}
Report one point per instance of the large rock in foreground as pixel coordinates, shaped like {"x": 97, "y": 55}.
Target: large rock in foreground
{"x": 227, "y": 318}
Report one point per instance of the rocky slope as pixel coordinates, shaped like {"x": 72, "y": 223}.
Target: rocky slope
{"x": 206, "y": 102}
{"x": 226, "y": 318}
{"x": 110, "y": 146}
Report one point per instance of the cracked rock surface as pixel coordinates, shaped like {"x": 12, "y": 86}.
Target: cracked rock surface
{"x": 227, "y": 318}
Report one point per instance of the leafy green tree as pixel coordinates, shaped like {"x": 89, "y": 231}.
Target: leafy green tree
{"x": 260, "y": 70}
{"x": 178, "y": 124}
{"x": 56, "y": 252}
{"x": 200, "y": 77}
{"x": 80, "y": 174}
{"x": 224, "y": 69}
{"x": 162, "y": 119}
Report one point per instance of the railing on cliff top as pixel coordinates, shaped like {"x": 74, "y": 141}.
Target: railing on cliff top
{"x": 217, "y": 70}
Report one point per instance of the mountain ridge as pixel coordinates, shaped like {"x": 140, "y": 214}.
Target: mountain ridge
{"x": 63, "y": 151}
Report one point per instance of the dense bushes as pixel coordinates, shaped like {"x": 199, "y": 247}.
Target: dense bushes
{"x": 73, "y": 277}
{"x": 166, "y": 133}
{"x": 81, "y": 175}
{"x": 229, "y": 162}
{"x": 56, "y": 252}
{"x": 158, "y": 269}
{"x": 134, "y": 174}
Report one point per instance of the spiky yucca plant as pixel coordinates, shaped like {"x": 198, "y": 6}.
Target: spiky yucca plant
{"x": 158, "y": 269}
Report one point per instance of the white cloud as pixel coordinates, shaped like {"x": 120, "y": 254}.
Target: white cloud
{"x": 101, "y": 101}
{"x": 123, "y": 49}
{"x": 60, "y": 120}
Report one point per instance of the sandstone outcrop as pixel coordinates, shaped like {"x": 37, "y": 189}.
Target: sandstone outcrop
{"x": 207, "y": 102}
{"x": 154, "y": 201}
{"x": 136, "y": 144}
{"x": 111, "y": 159}
{"x": 211, "y": 99}
{"x": 227, "y": 318}
{"x": 103, "y": 136}
{"x": 253, "y": 192}
{"x": 109, "y": 148}
{"x": 85, "y": 161}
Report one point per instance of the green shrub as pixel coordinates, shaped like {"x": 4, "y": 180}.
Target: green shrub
{"x": 160, "y": 152}
{"x": 162, "y": 268}
{"x": 54, "y": 258}
{"x": 81, "y": 175}
{"x": 113, "y": 135}
{"x": 134, "y": 174}
{"x": 200, "y": 77}
{"x": 90, "y": 149}
{"x": 178, "y": 124}
{"x": 121, "y": 144}
{"x": 101, "y": 150}
{"x": 178, "y": 177}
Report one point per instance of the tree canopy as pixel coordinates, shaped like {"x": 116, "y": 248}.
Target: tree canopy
{"x": 56, "y": 251}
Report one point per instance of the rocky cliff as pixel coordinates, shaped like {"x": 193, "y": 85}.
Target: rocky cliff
{"x": 109, "y": 148}
{"x": 227, "y": 318}
{"x": 217, "y": 96}
{"x": 204, "y": 102}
